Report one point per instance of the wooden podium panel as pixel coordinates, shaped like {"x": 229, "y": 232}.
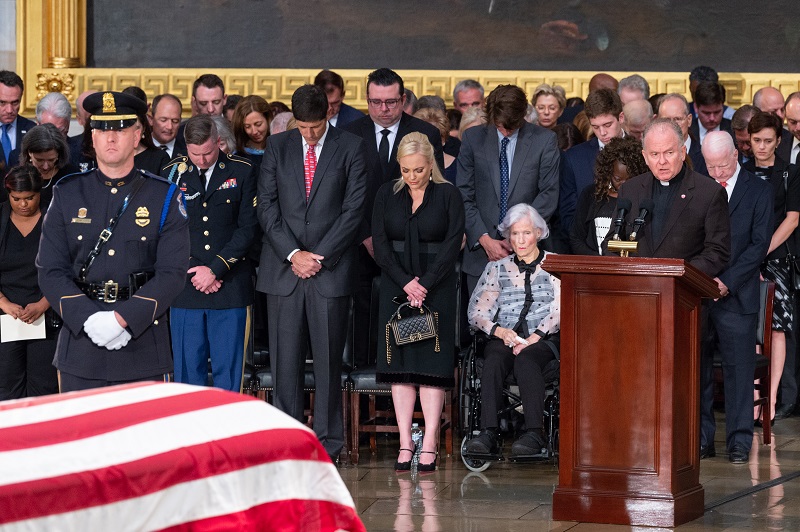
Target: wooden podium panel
{"x": 630, "y": 378}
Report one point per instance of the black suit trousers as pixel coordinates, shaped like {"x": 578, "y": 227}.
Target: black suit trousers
{"x": 305, "y": 319}
{"x": 734, "y": 336}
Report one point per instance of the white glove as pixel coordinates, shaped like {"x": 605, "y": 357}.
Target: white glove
{"x": 103, "y": 327}
{"x": 119, "y": 342}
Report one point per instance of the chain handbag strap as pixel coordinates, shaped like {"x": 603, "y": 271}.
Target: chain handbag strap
{"x": 106, "y": 233}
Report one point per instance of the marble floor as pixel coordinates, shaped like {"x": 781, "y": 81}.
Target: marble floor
{"x": 761, "y": 495}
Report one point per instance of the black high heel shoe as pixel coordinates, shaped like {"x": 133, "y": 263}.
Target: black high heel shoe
{"x": 404, "y": 466}
{"x": 428, "y": 468}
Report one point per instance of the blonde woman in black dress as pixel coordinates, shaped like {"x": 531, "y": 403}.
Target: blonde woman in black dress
{"x": 417, "y": 231}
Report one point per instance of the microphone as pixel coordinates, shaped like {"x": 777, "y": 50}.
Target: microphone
{"x": 645, "y": 207}
{"x": 623, "y": 206}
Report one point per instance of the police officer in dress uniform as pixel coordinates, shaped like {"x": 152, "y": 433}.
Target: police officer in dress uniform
{"x": 113, "y": 306}
{"x": 212, "y": 316}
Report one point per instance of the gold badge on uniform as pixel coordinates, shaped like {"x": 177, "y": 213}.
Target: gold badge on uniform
{"x": 82, "y": 219}
{"x": 182, "y": 168}
{"x": 142, "y": 216}
{"x": 108, "y": 103}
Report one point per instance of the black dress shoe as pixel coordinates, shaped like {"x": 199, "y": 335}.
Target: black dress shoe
{"x": 707, "y": 451}
{"x": 484, "y": 443}
{"x": 530, "y": 443}
{"x": 784, "y": 411}
{"x": 738, "y": 455}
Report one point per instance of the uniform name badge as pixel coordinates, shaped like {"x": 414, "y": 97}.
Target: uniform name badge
{"x": 81, "y": 218}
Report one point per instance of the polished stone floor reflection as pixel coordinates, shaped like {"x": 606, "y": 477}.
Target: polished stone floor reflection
{"x": 761, "y": 495}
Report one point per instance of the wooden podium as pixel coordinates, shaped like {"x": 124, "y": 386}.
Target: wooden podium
{"x": 630, "y": 380}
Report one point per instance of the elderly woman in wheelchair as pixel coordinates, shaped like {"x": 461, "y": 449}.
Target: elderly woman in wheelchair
{"x": 517, "y": 304}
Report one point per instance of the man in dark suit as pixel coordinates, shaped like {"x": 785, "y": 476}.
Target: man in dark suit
{"x": 604, "y": 109}
{"x": 675, "y": 107}
{"x": 12, "y": 126}
{"x": 211, "y": 316}
{"x": 53, "y": 108}
{"x": 709, "y": 103}
{"x": 741, "y": 137}
{"x": 789, "y": 148}
{"x": 732, "y": 319}
{"x": 339, "y": 113}
{"x": 165, "y": 120}
{"x": 208, "y": 98}
{"x": 310, "y": 200}
{"x": 75, "y": 142}
{"x": 382, "y": 130}
{"x": 690, "y": 219}
{"x": 505, "y": 162}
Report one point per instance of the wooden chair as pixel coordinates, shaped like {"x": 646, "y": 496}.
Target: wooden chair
{"x": 363, "y": 382}
{"x": 762, "y": 372}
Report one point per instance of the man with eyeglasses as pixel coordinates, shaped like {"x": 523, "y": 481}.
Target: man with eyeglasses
{"x": 674, "y": 107}
{"x": 732, "y": 318}
{"x": 382, "y": 130}
{"x": 12, "y": 126}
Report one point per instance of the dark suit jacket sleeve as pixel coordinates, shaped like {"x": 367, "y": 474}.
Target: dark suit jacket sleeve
{"x": 172, "y": 260}
{"x": 567, "y": 191}
{"x": 342, "y": 234}
{"x": 760, "y": 235}
{"x": 442, "y": 266}
{"x": 280, "y": 237}
{"x": 384, "y": 254}
{"x": 465, "y": 180}
{"x": 717, "y": 244}
{"x": 247, "y": 227}
{"x": 546, "y": 199}
{"x": 579, "y": 232}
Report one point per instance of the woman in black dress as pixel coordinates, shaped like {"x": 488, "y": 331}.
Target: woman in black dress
{"x": 26, "y": 366}
{"x": 45, "y": 149}
{"x": 417, "y": 232}
{"x": 620, "y": 159}
{"x": 765, "y": 135}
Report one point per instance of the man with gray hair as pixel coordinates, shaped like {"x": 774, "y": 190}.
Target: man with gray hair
{"x": 638, "y": 113}
{"x": 732, "y": 319}
{"x": 468, "y": 93}
{"x": 674, "y": 107}
{"x": 53, "y": 108}
{"x": 690, "y": 215}
{"x": 634, "y": 87}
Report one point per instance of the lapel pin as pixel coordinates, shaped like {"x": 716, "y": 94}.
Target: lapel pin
{"x": 683, "y": 196}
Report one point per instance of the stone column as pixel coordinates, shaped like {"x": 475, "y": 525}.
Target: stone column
{"x": 66, "y": 33}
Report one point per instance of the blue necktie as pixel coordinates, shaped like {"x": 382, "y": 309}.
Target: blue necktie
{"x": 503, "y": 178}
{"x": 6, "y": 141}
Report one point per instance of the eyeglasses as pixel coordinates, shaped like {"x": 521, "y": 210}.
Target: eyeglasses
{"x": 678, "y": 119}
{"x": 390, "y": 104}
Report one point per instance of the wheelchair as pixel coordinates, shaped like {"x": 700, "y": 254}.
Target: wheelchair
{"x": 511, "y": 420}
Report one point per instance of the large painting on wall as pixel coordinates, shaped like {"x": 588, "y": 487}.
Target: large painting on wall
{"x": 623, "y": 35}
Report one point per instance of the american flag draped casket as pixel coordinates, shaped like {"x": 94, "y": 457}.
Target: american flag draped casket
{"x": 153, "y": 456}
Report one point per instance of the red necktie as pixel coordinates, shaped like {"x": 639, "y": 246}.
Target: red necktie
{"x": 310, "y": 166}
{"x": 723, "y": 183}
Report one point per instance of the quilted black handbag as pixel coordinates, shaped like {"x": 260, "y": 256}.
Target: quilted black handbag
{"x": 409, "y": 325}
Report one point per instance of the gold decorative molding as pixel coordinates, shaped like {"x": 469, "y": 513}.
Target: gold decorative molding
{"x": 45, "y": 41}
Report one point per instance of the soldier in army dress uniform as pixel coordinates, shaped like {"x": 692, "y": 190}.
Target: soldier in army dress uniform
{"x": 212, "y": 315}
{"x": 113, "y": 306}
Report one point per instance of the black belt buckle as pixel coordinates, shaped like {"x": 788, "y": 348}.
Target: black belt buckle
{"x": 110, "y": 292}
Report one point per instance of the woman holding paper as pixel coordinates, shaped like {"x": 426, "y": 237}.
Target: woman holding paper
{"x": 26, "y": 366}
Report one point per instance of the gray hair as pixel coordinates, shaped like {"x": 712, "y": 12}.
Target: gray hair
{"x": 55, "y": 103}
{"x": 718, "y": 142}
{"x": 433, "y": 102}
{"x": 465, "y": 85}
{"x": 517, "y": 213}
{"x": 635, "y": 82}
{"x": 279, "y": 122}
{"x": 638, "y": 112}
{"x": 663, "y": 124}
{"x": 532, "y": 116}
{"x": 225, "y": 132}
{"x": 674, "y": 96}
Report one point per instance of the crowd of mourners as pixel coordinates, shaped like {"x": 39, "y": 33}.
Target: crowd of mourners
{"x": 326, "y": 219}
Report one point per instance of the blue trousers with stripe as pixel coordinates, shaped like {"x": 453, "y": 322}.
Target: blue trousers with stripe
{"x": 223, "y": 335}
